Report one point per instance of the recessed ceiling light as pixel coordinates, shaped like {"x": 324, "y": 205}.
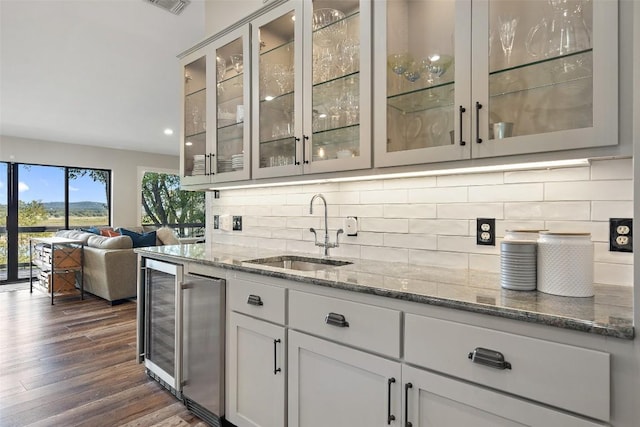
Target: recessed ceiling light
{"x": 188, "y": 143}
{"x": 168, "y": 131}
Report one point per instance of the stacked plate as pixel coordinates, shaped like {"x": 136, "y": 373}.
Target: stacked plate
{"x": 518, "y": 265}
{"x": 198, "y": 165}
{"x": 224, "y": 165}
{"x": 237, "y": 161}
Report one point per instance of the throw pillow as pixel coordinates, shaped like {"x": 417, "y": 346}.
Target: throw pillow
{"x": 140, "y": 240}
{"x": 93, "y": 230}
{"x": 167, "y": 236}
{"x": 109, "y": 233}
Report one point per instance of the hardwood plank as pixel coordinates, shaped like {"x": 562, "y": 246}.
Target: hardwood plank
{"x": 74, "y": 364}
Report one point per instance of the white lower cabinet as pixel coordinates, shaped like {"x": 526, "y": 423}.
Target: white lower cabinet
{"x": 334, "y": 385}
{"x": 256, "y": 369}
{"x": 432, "y": 400}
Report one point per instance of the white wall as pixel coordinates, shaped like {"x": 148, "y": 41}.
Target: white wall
{"x": 432, "y": 220}
{"x": 124, "y": 165}
{"x": 222, "y": 13}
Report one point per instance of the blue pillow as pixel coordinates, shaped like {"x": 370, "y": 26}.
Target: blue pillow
{"x": 140, "y": 240}
{"x": 94, "y": 230}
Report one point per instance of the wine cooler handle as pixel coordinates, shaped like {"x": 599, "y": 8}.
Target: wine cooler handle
{"x": 462, "y": 110}
{"x": 478, "y": 108}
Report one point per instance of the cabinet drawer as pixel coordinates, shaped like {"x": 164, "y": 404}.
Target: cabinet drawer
{"x": 372, "y": 328}
{"x": 560, "y": 375}
{"x": 256, "y": 299}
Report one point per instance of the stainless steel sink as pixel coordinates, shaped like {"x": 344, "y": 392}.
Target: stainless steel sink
{"x": 293, "y": 262}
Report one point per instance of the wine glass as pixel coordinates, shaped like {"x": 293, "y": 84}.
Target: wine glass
{"x": 399, "y": 62}
{"x": 413, "y": 71}
{"x": 507, "y": 31}
{"x": 236, "y": 62}
{"x": 221, "y": 69}
{"x": 438, "y": 64}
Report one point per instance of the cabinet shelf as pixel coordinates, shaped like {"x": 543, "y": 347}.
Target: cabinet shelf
{"x": 286, "y": 139}
{"x": 344, "y": 21}
{"x": 196, "y": 92}
{"x": 193, "y": 135}
{"x": 234, "y": 125}
{"x": 422, "y": 99}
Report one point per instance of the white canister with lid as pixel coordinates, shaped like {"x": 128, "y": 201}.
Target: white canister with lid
{"x": 523, "y": 234}
{"x": 565, "y": 264}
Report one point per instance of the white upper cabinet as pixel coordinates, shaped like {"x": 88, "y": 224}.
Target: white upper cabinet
{"x": 485, "y": 78}
{"x": 219, "y": 152}
{"x": 311, "y": 88}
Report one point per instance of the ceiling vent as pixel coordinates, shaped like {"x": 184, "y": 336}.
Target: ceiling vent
{"x": 173, "y": 6}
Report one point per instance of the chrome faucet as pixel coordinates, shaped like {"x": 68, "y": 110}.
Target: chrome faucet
{"x": 326, "y": 243}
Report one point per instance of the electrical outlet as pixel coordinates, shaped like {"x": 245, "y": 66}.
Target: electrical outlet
{"x": 621, "y": 234}
{"x": 216, "y": 222}
{"x": 237, "y": 223}
{"x": 486, "y": 231}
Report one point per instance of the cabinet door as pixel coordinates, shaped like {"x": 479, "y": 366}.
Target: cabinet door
{"x": 195, "y": 144}
{"x": 422, "y": 62}
{"x": 232, "y": 132}
{"x": 337, "y": 89}
{"x": 330, "y": 384}
{"x": 433, "y": 400}
{"x": 277, "y": 90}
{"x": 545, "y": 75}
{"x": 256, "y": 372}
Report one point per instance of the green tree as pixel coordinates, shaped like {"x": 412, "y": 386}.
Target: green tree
{"x": 165, "y": 203}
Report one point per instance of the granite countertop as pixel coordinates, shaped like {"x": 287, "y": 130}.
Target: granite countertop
{"x": 609, "y": 312}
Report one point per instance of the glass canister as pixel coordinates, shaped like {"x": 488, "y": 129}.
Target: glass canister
{"x": 565, "y": 264}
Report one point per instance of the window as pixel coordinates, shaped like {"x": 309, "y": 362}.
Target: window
{"x": 164, "y": 203}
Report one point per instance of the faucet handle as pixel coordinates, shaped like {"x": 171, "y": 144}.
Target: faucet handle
{"x": 340, "y": 231}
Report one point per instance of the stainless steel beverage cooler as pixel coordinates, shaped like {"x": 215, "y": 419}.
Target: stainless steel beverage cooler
{"x": 183, "y": 335}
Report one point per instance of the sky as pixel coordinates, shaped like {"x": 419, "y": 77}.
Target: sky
{"x": 46, "y": 184}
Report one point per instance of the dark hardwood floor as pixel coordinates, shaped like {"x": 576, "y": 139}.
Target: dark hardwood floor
{"x": 74, "y": 364}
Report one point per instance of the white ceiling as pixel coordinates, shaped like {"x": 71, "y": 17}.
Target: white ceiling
{"x": 94, "y": 72}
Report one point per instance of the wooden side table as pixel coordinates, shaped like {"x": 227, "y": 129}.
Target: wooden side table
{"x": 56, "y": 256}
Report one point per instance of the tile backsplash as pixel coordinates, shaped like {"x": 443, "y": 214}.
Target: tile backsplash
{"x": 432, "y": 220}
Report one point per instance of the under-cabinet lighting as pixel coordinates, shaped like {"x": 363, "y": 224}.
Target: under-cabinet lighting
{"x": 188, "y": 143}
{"x": 553, "y": 164}
{"x": 268, "y": 98}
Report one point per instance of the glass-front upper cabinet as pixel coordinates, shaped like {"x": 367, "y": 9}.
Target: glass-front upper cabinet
{"x": 232, "y": 108}
{"x": 194, "y": 148}
{"x": 312, "y": 88}
{"x": 422, "y": 61}
{"x": 544, "y": 76}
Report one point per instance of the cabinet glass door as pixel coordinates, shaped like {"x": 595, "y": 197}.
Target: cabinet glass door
{"x": 425, "y": 71}
{"x": 552, "y": 71}
{"x": 276, "y": 82}
{"x": 195, "y": 168}
{"x": 232, "y": 107}
{"x": 339, "y": 54}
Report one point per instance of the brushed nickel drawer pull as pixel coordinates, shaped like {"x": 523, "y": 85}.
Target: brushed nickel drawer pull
{"x": 255, "y": 300}
{"x": 490, "y": 358}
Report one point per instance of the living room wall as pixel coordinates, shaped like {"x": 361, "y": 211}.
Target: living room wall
{"x": 124, "y": 164}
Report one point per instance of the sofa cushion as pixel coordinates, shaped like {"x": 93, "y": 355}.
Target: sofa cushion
{"x": 140, "y": 240}
{"x": 75, "y": 235}
{"x": 167, "y": 236}
{"x": 118, "y": 242}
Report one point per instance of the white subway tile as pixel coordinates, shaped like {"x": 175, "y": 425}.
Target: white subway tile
{"x": 256, "y": 232}
{"x": 364, "y": 239}
{"x": 506, "y": 193}
{"x": 589, "y": 190}
{"x": 599, "y": 230}
{"x": 289, "y": 210}
{"x": 384, "y": 225}
{"x": 410, "y": 241}
{"x": 383, "y": 197}
{"x": 491, "y": 178}
{"x": 470, "y": 210}
{"x": 438, "y": 195}
{"x": 287, "y": 233}
{"x": 406, "y": 183}
{"x": 361, "y": 211}
{"x": 303, "y": 246}
{"x": 368, "y": 185}
{"x": 602, "y": 211}
{"x": 613, "y": 274}
{"x": 376, "y": 253}
{"x": 601, "y": 253}
{"x": 439, "y": 226}
{"x": 346, "y": 251}
{"x": 466, "y": 244}
{"x": 485, "y": 262}
{"x": 548, "y": 175}
{"x": 328, "y": 187}
{"x": 612, "y": 169}
{"x": 258, "y": 210}
{"x": 274, "y": 244}
{"x": 410, "y": 211}
{"x": 579, "y": 211}
{"x": 503, "y": 226}
{"x": 248, "y": 241}
{"x": 439, "y": 258}
{"x": 304, "y": 222}
{"x": 272, "y": 222}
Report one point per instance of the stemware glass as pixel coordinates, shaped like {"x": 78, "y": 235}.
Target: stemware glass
{"x": 221, "y": 69}
{"x": 236, "y": 62}
{"x": 438, "y": 64}
{"x": 507, "y": 31}
{"x": 399, "y": 63}
{"x": 329, "y": 27}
